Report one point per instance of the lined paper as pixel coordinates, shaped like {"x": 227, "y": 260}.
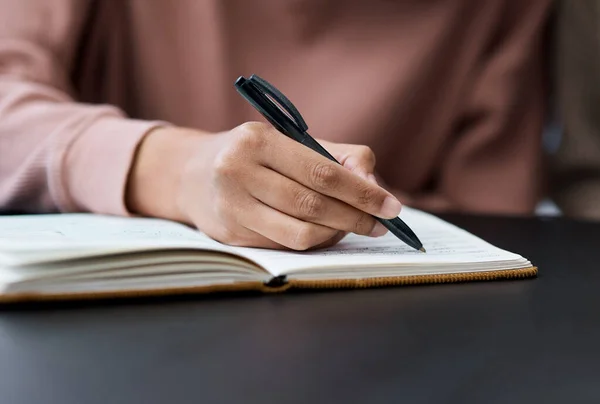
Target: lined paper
{"x": 444, "y": 242}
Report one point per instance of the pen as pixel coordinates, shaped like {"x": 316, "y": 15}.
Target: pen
{"x": 284, "y": 116}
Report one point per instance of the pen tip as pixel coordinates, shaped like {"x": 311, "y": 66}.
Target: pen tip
{"x": 422, "y": 249}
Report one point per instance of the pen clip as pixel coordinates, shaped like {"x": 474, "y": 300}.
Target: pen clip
{"x": 280, "y": 100}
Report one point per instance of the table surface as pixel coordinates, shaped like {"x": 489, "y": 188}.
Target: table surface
{"x": 528, "y": 341}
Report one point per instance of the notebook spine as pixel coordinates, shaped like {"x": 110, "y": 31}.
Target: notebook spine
{"x": 277, "y": 282}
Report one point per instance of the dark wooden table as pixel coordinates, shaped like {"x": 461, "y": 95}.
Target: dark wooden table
{"x": 533, "y": 341}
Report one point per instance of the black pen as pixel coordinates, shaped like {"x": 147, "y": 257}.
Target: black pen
{"x": 282, "y": 114}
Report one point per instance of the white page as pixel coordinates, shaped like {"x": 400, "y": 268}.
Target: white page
{"x": 39, "y": 238}
{"x": 445, "y": 244}
{"x": 36, "y": 238}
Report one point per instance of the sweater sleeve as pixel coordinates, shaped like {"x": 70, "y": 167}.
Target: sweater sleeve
{"x": 56, "y": 154}
{"x": 493, "y": 162}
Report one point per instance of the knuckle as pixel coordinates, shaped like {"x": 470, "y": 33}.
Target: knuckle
{"x": 309, "y": 204}
{"x": 250, "y": 126}
{"x": 367, "y": 196}
{"x": 224, "y": 164}
{"x": 324, "y": 176}
{"x": 251, "y": 136}
{"x": 367, "y": 155}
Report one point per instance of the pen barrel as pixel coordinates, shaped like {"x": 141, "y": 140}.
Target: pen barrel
{"x": 399, "y": 229}
{"x": 308, "y": 141}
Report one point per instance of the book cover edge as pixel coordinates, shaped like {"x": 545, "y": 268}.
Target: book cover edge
{"x": 279, "y": 287}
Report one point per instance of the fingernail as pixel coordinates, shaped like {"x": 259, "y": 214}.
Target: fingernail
{"x": 378, "y": 231}
{"x": 372, "y": 178}
{"x": 391, "y": 208}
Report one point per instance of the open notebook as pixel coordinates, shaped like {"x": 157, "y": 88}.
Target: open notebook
{"x": 88, "y": 256}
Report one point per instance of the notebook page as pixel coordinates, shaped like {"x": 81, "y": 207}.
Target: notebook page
{"x": 37, "y": 238}
{"x": 446, "y": 244}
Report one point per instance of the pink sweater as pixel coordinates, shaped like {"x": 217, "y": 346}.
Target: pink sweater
{"x": 449, "y": 94}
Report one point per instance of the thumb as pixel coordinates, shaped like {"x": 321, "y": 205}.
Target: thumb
{"x": 357, "y": 158}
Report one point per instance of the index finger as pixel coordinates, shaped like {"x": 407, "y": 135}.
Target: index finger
{"x": 327, "y": 177}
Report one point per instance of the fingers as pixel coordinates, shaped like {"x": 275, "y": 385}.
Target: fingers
{"x": 244, "y": 237}
{"x": 285, "y": 230}
{"x": 318, "y": 173}
{"x": 250, "y": 223}
{"x": 294, "y": 199}
{"x": 331, "y": 242}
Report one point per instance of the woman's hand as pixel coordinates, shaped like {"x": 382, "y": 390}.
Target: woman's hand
{"x": 253, "y": 186}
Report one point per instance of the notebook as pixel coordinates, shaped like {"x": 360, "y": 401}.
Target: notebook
{"x": 76, "y": 256}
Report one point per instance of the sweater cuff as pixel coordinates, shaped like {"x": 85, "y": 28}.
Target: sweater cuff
{"x": 97, "y": 165}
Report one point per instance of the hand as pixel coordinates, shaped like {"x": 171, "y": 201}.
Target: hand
{"x": 252, "y": 186}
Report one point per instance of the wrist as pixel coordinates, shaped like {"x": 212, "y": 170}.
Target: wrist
{"x": 157, "y": 170}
